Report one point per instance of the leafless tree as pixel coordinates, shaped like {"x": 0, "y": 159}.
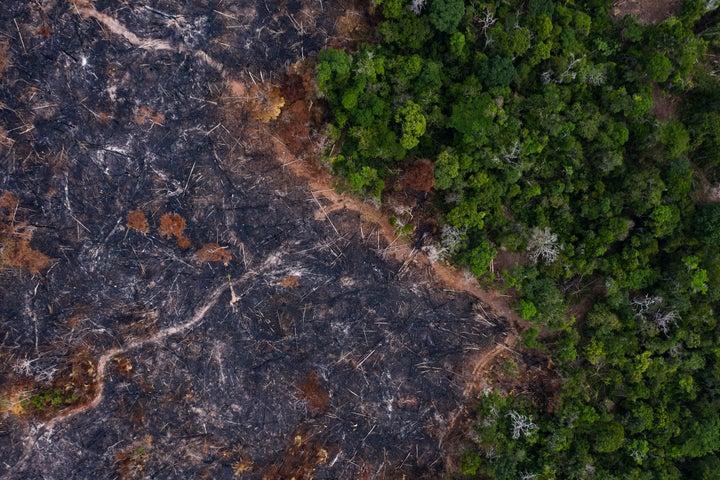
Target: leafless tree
{"x": 450, "y": 239}
{"x": 637, "y": 455}
{"x": 595, "y": 76}
{"x": 642, "y": 304}
{"x": 522, "y": 425}
{"x": 547, "y": 77}
{"x": 490, "y": 453}
{"x": 417, "y": 6}
{"x": 486, "y": 20}
{"x": 543, "y": 245}
{"x": 509, "y": 156}
{"x": 666, "y": 320}
{"x": 32, "y": 368}
{"x": 648, "y": 308}
{"x": 570, "y": 73}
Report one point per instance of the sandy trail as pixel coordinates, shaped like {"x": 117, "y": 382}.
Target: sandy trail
{"x": 321, "y": 183}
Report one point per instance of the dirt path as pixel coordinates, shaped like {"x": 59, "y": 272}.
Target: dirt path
{"x": 321, "y": 183}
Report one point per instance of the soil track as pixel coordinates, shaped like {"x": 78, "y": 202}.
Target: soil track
{"x": 399, "y": 248}
{"x": 206, "y": 313}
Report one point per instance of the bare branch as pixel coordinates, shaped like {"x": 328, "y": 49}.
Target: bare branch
{"x": 522, "y": 425}
{"x": 543, "y": 245}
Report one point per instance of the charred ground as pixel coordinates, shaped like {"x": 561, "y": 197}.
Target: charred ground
{"x": 197, "y": 312}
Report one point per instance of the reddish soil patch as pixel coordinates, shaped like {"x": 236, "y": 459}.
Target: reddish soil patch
{"x": 664, "y": 105}
{"x": 213, "y": 252}
{"x": 137, "y": 220}
{"x": 647, "y": 11}
{"x": 295, "y": 126}
{"x": 291, "y": 281}
{"x": 20, "y": 254}
{"x": 5, "y": 57}
{"x": 506, "y": 260}
{"x": 310, "y": 389}
{"x": 419, "y": 176}
{"x": 146, "y": 115}
{"x": 15, "y": 249}
{"x": 173, "y": 225}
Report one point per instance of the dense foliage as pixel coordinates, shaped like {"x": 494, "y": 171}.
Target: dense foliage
{"x": 543, "y": 123}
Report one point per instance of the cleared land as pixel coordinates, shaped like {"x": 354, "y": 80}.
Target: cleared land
{"x": 175, "y": 302}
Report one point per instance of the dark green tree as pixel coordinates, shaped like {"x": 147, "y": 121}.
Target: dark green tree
{"x": 445, "y": 15}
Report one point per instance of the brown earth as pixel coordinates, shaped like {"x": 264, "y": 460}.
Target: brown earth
{"x": 664, "y": 105}
{"x": 647, "y": 11}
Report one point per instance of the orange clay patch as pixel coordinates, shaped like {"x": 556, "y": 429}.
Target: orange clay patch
{"x": 265, "y": 102}
{"x": 145, "y": 115}
{"x": 173, "y": 225}
{"x": 15, "y": 249}
{"x": 291, "y": 281}
{"x": 213, "y": 252}
{"x": 310, "y": 389}
{"x": 9, "y": 203}
{"x": 45, "y": 30}
{"x": 138, "y": 221}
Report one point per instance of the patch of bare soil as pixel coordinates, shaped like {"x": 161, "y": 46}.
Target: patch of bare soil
{"x": 647, "y": 11}
{"x": 300, "y": 337}
{"x": 704, "y": 191}
{"x": 664, "y": 105}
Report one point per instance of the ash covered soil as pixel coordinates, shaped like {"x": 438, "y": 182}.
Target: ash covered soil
{"x": 174, "y": 302}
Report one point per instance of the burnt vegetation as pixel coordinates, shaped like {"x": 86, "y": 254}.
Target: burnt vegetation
{"x": 174, "y": 303}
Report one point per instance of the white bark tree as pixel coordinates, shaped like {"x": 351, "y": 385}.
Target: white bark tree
{"x": 642, "y": 304}
{"x": 521, "y": 424}
{"x": 543, "y": 245}
{"x": 417, "y": 6}
{"x": 666, "y": 320}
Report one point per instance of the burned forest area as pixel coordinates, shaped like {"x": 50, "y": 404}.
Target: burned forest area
{"x": 175, "y": 300}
